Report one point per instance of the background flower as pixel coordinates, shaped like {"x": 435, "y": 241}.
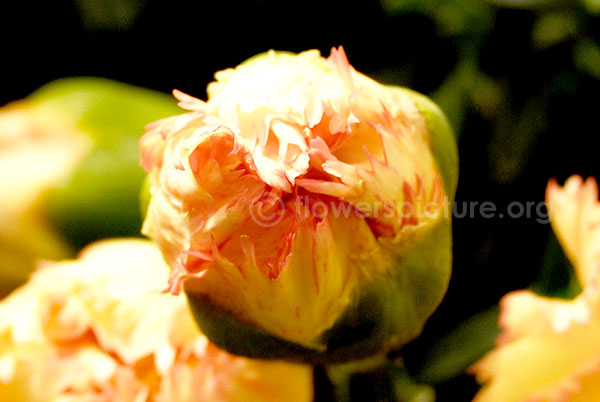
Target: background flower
{"x": 69, "y": 169}
{"x": 98, "y": 328}
{"x": 38, "y": 149}
{"x": 549, "y": 350}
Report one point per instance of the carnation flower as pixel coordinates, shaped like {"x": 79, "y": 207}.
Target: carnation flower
{"x": 99, "y": 329}
{"x": 549, "y": 349}
{"x": 303, "y": 207}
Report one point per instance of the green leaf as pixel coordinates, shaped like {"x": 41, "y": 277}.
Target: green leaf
{"x": 460, "y": 348}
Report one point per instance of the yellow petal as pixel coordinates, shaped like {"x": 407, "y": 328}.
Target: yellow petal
{"x": 101, "y": 328}
{"x": 575, "y": 216}
{"x": 39, "y": 149}
{"x": 549, "y": 349}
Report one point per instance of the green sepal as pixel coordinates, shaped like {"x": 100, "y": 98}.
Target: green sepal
{"x": 392, "y": 310}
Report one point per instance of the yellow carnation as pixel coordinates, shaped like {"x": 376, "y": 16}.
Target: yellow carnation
{"x": 99, "y": 328}
{"x": 296, "y": 201}
{"x": 549, "y": 350}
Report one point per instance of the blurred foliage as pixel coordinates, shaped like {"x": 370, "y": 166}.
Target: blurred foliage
{"x": 468, "y": 88}
{"x": 522, "y": 71}
{"x": 112, "y": 15}
{"x": 455, "y": 351}
{"x": 376, "y": 379}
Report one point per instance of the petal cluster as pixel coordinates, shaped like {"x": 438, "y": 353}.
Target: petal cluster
{"x": 99, "y": 329}
{"x": 549, "y": 348}
{"x": 295, "y": 183}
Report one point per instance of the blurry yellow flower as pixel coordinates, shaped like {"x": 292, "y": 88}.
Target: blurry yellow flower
{"x": 549, "y": 350}
{"x": 69, "y": 168}
{"x": 39, "y": 149}
{"x": 303, "y": 205}
{"x": 99, "y": 329}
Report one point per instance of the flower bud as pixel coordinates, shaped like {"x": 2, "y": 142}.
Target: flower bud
{"x": 99, "y": 329}
{"x": 303, "y": 208}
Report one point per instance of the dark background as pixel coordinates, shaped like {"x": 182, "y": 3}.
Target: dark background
{"x": 520, "y": 85}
